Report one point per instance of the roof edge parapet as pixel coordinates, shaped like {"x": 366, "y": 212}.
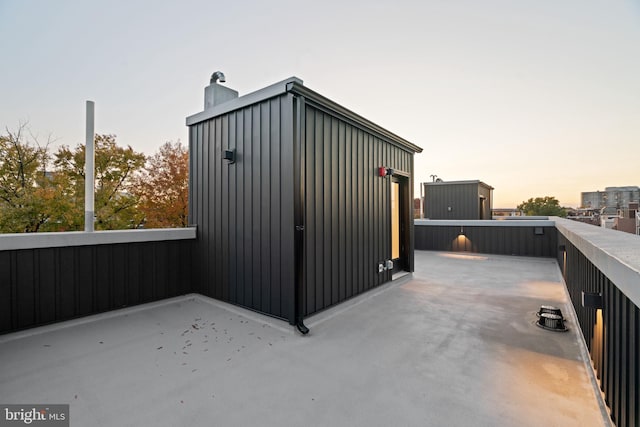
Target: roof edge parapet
{"x": 468, "y": 181}
{"x": 19, "y": 241}
{"x": 326, "y": 103}
{"x": 615, "y": 253}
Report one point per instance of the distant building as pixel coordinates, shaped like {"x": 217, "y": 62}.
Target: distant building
{"x": 623, "y": 219}
{"x": 627, "y": 219}
{"x": 457, "y": 200}
{"x": 588, "y": 216}
{"x": 612, "y": 198}
{"x": 416, "y": 208}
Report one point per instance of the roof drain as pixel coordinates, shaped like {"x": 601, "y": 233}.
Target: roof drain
{"x": 551, "y": 322}
{"x": 549, "y": 309}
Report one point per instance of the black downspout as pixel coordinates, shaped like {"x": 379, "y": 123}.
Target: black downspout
{"x": 299, "y": 313}
{"x": 298, "y": 197}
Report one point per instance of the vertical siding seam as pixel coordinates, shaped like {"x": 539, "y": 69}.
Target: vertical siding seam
{"x": 36, "y": 285}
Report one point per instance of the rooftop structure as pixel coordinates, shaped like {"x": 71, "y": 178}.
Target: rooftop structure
{"x": 471, "y": 199}
{"x": 300, "y": 202}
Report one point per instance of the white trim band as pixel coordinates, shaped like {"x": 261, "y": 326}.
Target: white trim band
{"x": 80, "y": 238}
{"x": 484, "y": 223}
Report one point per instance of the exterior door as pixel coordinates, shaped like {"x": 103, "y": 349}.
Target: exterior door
{"x": 399, "y": 242}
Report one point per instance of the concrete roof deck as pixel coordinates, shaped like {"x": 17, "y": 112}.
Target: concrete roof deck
{"x": 455, "y": 344}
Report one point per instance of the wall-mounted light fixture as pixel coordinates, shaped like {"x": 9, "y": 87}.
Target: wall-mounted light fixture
{"x": 230, "y": 156}
{"x": 461, "y": 230}
{"x": 562, "y": 248}
{"x": 591, "y": 300}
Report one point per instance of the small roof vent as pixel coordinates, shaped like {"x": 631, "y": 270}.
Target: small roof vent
{"x": 551, "y": 322}
{"x": 218, "y": 76}
{"x": 550, "y": 309}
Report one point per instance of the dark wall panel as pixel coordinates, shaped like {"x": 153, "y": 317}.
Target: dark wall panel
{"x": 134, "y": 278}
{"x": 120, "y": 275}
{"x": 66, "y": 280}
{"x": 147, "y": 273}
{"x": 245, "y": 210}
{"x": 346, "y": 207}
{"x": 46, "y": 263}
{"x": 25, "y": 286}
{"x": 7, "y": 293}
{"x": 501, "y": 240}
{"x": 103, "y": 276}
{"x": 45, "y": 285}
{"x": 486, "y": 192}
{"x": 611, "y": 333}
{"x": 462, "y": 198}
{"x": 86, "y": 284}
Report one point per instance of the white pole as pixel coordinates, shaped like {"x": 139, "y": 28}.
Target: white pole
{"x": 421, "y": 201}
{"x": 89, "y": 175}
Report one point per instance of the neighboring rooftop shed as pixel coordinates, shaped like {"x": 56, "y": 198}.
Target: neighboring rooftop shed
{"x": 300, "y": 203}
{"x": 457, "y": 200}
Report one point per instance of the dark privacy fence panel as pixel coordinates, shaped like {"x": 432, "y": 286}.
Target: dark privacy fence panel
{"x": 346, "y": 207}
{"x": 244, "y": 210}
{"x": 612, "y": 334}
{"x": 45, "y": 285}
{"x": 516, "y": 240}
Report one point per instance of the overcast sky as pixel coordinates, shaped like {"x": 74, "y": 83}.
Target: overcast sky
{"x": 535, "y": 98}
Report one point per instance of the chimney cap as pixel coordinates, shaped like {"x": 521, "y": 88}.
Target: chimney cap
{"x": 217, "y": 76}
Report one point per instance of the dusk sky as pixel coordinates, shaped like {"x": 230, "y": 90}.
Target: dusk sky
{"x": 532, "y": 97}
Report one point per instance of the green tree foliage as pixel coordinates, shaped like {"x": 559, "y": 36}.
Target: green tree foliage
{"x": 115, "y": 199}
{"x": 28, "y": 194}
{"x": 542, "y": 206}
{"x": 39, "y": 192}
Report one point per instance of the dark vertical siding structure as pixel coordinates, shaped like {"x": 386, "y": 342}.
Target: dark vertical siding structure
{"x": 244, "y": 210}
{"x": 463, "y": 197}
{"x": 301, "y": 220}
{"x": 513, "y": 239}
{"x": 347, "y": 216}
{"x": 612, "y": 334}
{"x": 45, "y": 285}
